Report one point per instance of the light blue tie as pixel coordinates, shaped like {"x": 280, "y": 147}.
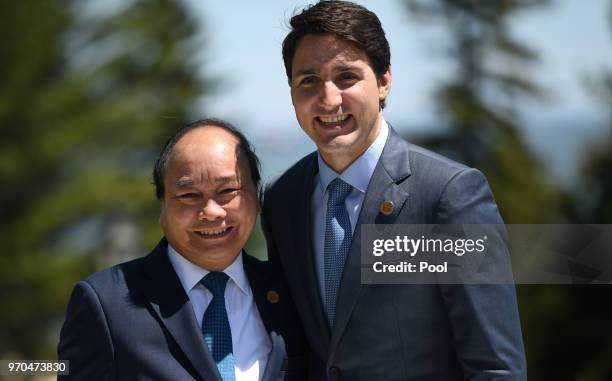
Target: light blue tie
{"x": 215, "y": 326}
{"x": 337, "y": 243}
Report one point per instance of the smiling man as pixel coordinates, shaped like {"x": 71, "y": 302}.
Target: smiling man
{"x": 337, "y": 61}
{"x": 197, "y": 307}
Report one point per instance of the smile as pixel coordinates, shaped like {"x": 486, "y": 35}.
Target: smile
{"x": 213, "y": 233}
{"x": 333, "y": 119}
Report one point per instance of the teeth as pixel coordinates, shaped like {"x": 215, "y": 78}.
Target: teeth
{"x": 211, "y": 232}
{"x": 333, "y": 119}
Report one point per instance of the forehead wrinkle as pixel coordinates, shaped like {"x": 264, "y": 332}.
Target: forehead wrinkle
{"x": 183, "y": 183}
{"x": 195, "y": 168}
{"x": 227, "y": 179}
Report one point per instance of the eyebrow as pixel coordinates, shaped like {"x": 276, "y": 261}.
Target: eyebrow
{"x": 306, "y": 71}
{"x": 346, "y": 68}
{"x": 185, "y": 183}
{"x": 340, "y": 68}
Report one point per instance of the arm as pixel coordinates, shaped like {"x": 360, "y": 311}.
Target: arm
{"x": 484, "y": 317}
{"x": 297, "y": 349}
{"x": 85, "y": 339}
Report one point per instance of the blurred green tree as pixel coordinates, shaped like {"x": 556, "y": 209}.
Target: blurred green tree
{"x": 90, "y": 90}
{"x": 585, "y": 309}
{"x": 597, "y": 194}
{"x": 564, "y": 327}
{"x": 477, "y": 103}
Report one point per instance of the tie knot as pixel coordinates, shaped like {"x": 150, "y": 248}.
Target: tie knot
{"x": 338, "y": 190}
{"x": 215, "y": 282}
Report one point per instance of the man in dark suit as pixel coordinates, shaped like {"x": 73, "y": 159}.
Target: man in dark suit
{"x": 338, "y": 65}
{"x": 196, "y": 307}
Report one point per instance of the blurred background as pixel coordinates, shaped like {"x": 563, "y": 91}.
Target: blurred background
{"x": 90, "y": 90}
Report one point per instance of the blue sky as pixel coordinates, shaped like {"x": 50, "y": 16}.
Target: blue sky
{"x": 244, "y": 49}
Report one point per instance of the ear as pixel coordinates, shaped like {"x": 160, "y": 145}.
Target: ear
{"x": 384, "y": 84}
{"x": 162, "y": 205}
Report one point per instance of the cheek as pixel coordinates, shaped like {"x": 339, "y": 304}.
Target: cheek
{"x": 247, "y": 210}
{"x": 176, "y": 217}
{"x": 163, "y": 218}
{"x": 301, "y": 99}
{"x": 360, "y": 93}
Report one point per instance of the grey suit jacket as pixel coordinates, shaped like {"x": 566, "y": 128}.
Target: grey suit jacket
{"x": 135, "y": 322}
{"x": 398, "y": 332}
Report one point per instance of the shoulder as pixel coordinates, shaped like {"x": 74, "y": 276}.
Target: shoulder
{"x": 115, "y": 277}
{"x": 434, "y": 169}
{"x": 423, "y": 157}
{"x": 420, "y": 159}
{"x": 130, "y": 272}
{"x": 446, "y": 189}
{"x": 421, "y": 166}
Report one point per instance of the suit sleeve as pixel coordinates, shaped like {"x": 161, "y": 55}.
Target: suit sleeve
{"x": 484, "y": 317}
{"x": 85, "y": 339}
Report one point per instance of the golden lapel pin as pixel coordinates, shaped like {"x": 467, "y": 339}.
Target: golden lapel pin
{"x": 272, "y": 296}
{"x": 386, "y": 207}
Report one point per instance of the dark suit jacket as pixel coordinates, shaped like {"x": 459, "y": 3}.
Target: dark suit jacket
{"x": 398, "y": 332}
{"x": 134, "y": 321}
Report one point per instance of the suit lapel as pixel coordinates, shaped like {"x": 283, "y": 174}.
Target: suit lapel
{"x": 264, "y": 288}
{"x": 173, "y": 308}
{"x": 304, "y": 257}
{"x": 392, "y": 168}
{"x": 268, "y": 296}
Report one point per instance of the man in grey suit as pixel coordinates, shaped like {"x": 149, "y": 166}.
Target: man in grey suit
{"x": 338, "y": 66}
{"x": 197, "y": 307}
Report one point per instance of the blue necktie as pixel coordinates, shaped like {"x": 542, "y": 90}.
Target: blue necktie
{"x": 337, "y": 243}
{"x": 215, "y": 326}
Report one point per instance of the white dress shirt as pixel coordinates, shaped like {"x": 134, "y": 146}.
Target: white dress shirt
{"x": 250, "y": 341}
{"x": 358, "y": 175}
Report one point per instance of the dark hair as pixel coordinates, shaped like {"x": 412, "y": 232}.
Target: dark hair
{"x": 161, "y": 165}
{"x": 343, "y": 19}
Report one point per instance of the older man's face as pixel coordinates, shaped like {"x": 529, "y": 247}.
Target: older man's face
{"x": 210, "y": 204}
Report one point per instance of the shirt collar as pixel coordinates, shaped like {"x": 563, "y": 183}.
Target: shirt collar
{"x": 360, "y": 171}
{"x": 191, "y": 274}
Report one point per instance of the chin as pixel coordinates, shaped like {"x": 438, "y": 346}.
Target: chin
{"x": 338, "y": 144}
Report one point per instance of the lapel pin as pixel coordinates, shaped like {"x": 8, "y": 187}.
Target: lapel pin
{"x": 386, "y": 207}
{"x": 272, "y": 296}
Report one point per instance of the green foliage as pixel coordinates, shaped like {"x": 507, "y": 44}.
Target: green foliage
{"x": 564, "y": 327}
{"x": 477, "y": 105}
{"x": 88, "y": 96}
{"x": 598, "y": 166}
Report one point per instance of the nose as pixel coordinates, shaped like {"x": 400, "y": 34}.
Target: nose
{"x": 330, "y": 97}
{"x": 211, "y": 211}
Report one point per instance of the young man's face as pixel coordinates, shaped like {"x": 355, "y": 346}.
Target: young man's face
{"x": 210, "y": 203}
{"x": 336, "y": 97}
